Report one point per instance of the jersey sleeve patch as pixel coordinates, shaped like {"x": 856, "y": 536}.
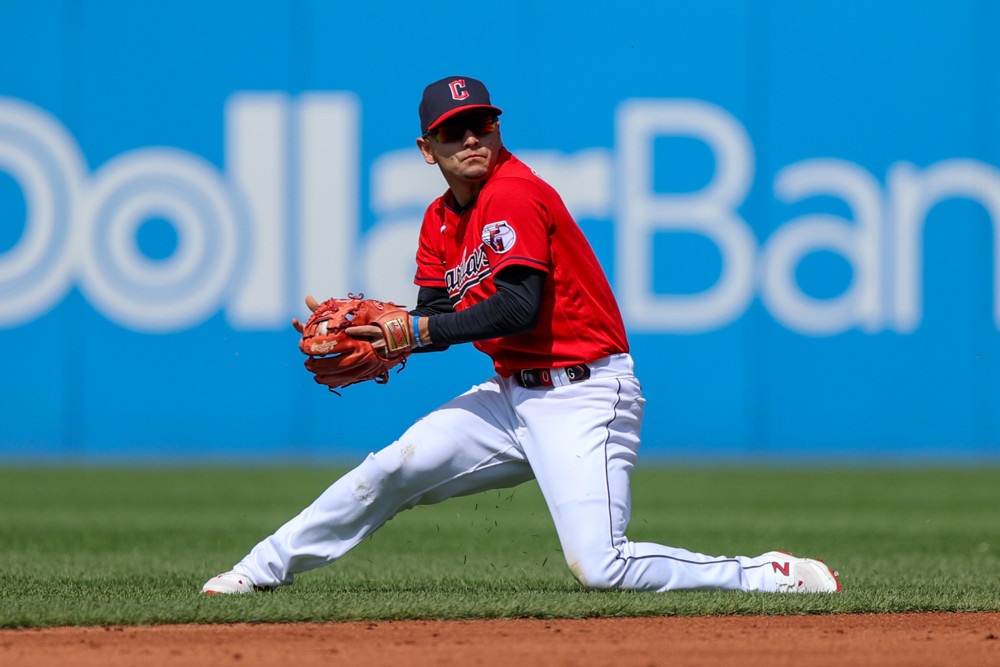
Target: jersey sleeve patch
{"x": 499, "y": 236}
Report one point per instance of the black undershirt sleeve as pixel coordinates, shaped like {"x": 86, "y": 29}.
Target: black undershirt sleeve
{"x": 432, "y": 301}
{"x": 513, "y": 310}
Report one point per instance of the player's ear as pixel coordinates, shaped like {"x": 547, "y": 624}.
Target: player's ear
{"x": 424, "y": 145}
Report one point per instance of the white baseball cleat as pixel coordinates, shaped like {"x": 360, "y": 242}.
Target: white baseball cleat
{"x": 801, "y": 575}
{"x": 229, "y": 583}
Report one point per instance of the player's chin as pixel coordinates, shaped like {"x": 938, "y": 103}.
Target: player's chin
{"x": 474, "y": 171}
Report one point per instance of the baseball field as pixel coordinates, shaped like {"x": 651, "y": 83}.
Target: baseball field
{"x": 113, "y": 548}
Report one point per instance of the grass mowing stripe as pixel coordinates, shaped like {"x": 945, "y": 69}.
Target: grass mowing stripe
{"x": 124, "y": 546}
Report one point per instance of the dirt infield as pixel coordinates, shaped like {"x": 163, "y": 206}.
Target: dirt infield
{"x": 869, "y": 639}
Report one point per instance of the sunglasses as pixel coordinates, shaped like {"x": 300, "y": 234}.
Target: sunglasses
{"x": 455, "y": 130}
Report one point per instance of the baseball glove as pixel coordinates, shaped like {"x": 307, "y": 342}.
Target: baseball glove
{"x": 338, "y": 358}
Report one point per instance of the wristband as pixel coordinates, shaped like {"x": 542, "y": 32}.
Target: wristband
{"x": 416, "y": 331}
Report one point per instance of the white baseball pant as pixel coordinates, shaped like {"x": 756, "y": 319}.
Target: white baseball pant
{"x": 578, "y": 440}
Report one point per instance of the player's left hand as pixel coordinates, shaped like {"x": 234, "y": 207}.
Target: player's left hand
{"x": 355, "y": 339}
{"x": 312, "y": 304}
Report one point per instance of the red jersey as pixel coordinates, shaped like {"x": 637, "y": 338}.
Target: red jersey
{"x": 518, "y": 219}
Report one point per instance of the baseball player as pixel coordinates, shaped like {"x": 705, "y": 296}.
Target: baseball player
{"x": 502, "y": 264}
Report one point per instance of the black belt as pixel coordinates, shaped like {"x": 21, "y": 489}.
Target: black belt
{"x": 529, "y": 378}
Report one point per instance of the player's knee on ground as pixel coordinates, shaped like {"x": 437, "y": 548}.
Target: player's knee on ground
{"x": 600, "y": 570}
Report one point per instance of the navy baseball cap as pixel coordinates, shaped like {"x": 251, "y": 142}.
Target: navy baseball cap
{"x": 452, "y": 95}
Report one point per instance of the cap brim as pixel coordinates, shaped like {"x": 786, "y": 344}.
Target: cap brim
{"x": 454, "y": 112}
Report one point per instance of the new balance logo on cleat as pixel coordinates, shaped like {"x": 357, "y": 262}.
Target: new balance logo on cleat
{"x": 801, "y": 575}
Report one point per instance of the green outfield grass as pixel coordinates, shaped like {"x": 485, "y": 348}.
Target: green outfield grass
{"x": 110, "y": 547}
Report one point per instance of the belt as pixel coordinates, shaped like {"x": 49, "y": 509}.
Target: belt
{"x": 529, "y": 378}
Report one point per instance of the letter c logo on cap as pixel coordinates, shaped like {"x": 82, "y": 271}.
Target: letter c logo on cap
{"x": 458, "y": 91}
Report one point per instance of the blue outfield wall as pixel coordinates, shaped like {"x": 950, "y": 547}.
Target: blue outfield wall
{"x": 796, "y": 204}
